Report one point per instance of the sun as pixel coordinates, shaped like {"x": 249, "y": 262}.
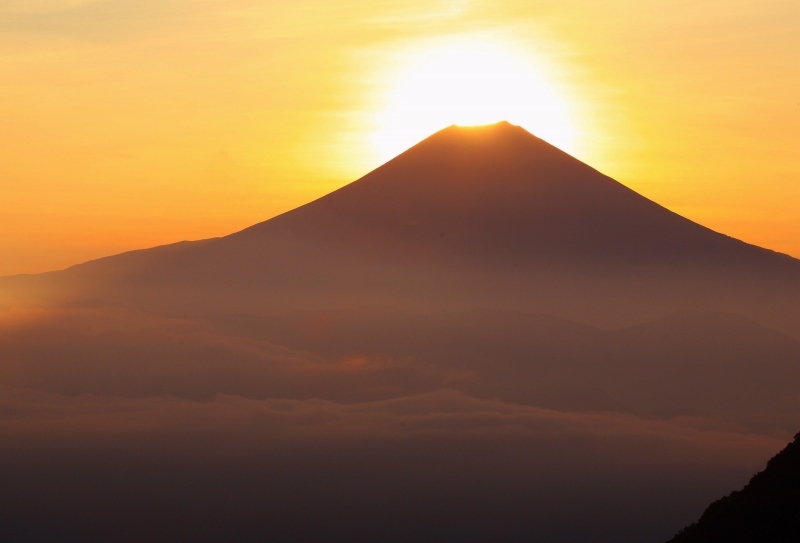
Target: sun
{"x": 470, "y": 83}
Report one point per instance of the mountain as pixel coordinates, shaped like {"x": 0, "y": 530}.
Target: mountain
{"x": 483, "y": 339}
{"x": 485, "y": 216}
{"x": 767, "y": 510}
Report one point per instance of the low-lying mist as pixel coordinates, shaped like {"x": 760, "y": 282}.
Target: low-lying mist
{"x": 377, "y": 424}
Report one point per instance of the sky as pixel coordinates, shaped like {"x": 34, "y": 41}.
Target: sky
{"x": 127, "y": 124}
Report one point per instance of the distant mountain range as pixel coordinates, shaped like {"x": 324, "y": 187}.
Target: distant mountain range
{"x": 470, "y": 217}
{"x": 767, "y": 510}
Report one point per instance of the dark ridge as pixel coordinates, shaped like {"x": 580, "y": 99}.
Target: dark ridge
{"x": 767, "y": 510}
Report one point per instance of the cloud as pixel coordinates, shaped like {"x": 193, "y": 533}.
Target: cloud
{"x": 117, "y": 424}
{"x": 745, "y": 374}
{"x": 114, "y": 352}
{"x": 92, "y": 20}
{"x": 439, "y": 463}
{"x": 404, "y": 14}
{"x": 43, "y": 6}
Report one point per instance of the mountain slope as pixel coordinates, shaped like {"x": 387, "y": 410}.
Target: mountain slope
{"x": 488, "y": 216}
{"x": 766, "y": 510}
{"x": 499, "y": 192}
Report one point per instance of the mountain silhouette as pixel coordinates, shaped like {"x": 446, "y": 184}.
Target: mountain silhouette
{"x": 483, "y": 339}
{"x": 766, "y": 510}
{"x": 472, "y": 216}
{"x": 499, "y": 194}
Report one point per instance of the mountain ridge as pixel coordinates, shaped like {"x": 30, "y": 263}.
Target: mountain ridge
{"x": 766, "y": 509}
{"x": 504, "y": 182}
{"x": 481, "y": 216}
{"x": 448, "y": 137}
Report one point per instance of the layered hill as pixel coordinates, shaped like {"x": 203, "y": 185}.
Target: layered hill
{"x": 487, "y": 216}
{"x": 766, "y": 510}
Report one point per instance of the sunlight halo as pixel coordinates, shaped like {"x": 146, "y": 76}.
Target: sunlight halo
{"x": 469, "y": 83}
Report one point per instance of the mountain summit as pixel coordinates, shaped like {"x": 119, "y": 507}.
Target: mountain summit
{"x": 472, "y": 216}
{"x": 497, "y": 193}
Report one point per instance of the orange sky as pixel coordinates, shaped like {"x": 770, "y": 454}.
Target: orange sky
{"x": 126, "y": 124}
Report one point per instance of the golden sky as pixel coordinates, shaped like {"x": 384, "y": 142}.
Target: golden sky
{"x": 130, "y": 123}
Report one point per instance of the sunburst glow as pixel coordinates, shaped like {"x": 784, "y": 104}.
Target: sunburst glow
{"x": 470, "y": 83}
